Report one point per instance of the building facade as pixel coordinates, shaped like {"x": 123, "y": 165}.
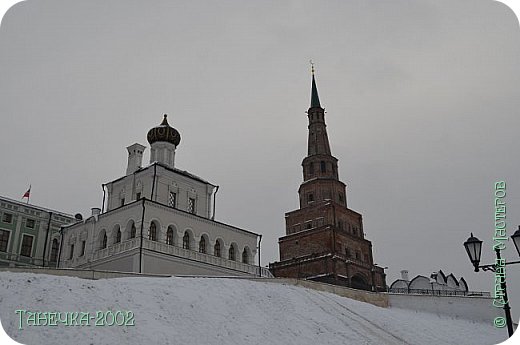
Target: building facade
{"x": 438, "y": 284}
{"x": 159, "y": 219}
{"x": 29, "y": 234}
{"x": 324, "y": 239}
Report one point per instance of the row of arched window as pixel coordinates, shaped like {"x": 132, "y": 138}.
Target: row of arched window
{"x": 186, "y": 242}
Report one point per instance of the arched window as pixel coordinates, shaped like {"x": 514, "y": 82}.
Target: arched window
{"x": 104, "y": 241}
{"x": 169, "y": 236}
{"x": 322, "y": 166}
{"x": 132, "y": 231}
{"x": 186, "y": 240}
{"x": 54, "y": 250}
{"x": 216, "y": 249}
{"x": 245, "y": 258}
{"x": 232, "y": 253}
{"x": 152, "y": 234}
{"x": 118, "y": 236}
{"x": 202, "y": 245}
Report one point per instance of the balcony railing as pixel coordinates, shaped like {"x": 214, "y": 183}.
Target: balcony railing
{"x": 172, "y": 250}
{"x": 439, "y": 292}
{"x": 116, "y": 248}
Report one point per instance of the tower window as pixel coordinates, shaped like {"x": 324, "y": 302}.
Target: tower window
{"x": 232, "y": 253}
{"x": 152, "y": 234}
{"x": 245, "y": 258}
{"x": 54, "y": 250}
{"x": 191, "y": 205}
{"x": 132, "y": 231}
{"x": 340, "y": 197}
{"x": 202, "y": 245}
{"x": 186, "y": 240}
{"x": 104, "y": 241}
{"x": 216, "y": 249}
{"x": 323, "y": 166}
{"x": 4, "y": 239}
{"x": 71, "y": 256}
{"x": 27, "y": 242}
{"x": 83, "y": 245}
{"x": 29, "y": 223}
{"x": 7, "y": 218}
{"x": 310, "y": 197}
{"x": 137, "y": 196}
{"x": 169, "y": 236}
{"x": 172, "y": 201}
{"x": 122, "y": 201}
{"x": 311, "y": 168}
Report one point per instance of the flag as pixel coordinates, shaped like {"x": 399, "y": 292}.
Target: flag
{"x": 27, "y": 194}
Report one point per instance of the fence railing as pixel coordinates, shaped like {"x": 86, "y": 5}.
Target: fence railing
{"x": 21, "y": 260}
{"x": 439, "y": 292}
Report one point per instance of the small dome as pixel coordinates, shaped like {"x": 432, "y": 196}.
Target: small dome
{"x": 164, "y": 132}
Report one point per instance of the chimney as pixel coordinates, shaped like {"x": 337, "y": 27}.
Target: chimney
{"x": 135, "y": 158}
{"x": 404, "y": 275}
{"x": 96, "y": 211}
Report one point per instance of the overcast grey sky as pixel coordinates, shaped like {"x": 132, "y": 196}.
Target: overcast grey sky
{"x": 421, "y": 98}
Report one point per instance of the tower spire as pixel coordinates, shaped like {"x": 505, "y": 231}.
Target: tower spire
{"x": 315, "y": 100}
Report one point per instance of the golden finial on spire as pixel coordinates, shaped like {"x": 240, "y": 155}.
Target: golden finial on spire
{"x": 312, "y": 66}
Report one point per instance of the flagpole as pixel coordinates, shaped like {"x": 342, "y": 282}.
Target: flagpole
{"x": 27, "y": 194}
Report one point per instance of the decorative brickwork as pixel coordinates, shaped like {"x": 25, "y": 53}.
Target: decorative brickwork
{"x": 324, "y": 239}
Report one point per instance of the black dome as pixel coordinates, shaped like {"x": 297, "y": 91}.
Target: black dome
{"x": 164, "y": 132}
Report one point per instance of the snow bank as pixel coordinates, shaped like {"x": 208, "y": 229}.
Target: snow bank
{"x": 220, "y": 311}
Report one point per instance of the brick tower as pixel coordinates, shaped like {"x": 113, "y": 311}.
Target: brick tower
{"x": 324, "y": 239}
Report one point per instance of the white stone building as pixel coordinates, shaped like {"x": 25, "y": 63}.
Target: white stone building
{"x": 437, "y": 284}
{"x": 159, "y": 219}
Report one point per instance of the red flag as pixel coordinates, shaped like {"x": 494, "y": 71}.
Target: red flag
{"x": 28, "y": 193}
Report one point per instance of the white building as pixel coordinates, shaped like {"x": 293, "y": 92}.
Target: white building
{"x": 159, "y": 219}
{"x": 437, "y": 284}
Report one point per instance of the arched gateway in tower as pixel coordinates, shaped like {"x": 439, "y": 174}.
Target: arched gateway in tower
{"x": 324, "y": 239}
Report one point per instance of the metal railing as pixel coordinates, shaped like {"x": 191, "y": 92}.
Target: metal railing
{"x": 12, "y": 259}
{"x": 439, "y": 292}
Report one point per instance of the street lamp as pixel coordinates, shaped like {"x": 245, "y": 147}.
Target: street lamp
{"x": 474, "y": 247}
{"x": 516, "y": 239}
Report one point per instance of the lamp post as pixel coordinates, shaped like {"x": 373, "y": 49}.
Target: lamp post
{"x": 516, "y": 239}
{"x": 474, "y": 249}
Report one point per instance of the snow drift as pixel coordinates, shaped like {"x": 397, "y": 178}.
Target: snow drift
{"x": 220, "y": 311}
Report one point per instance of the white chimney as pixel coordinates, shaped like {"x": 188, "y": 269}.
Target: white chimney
{"x": 404, "y": 275}
{"x": 135, "y": 157}
{"x": 96, "y": 211}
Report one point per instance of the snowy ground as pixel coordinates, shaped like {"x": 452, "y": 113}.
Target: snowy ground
{"x": 220, "y": 311}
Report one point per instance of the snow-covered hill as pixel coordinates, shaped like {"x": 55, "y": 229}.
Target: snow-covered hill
{"x": 219, "y": 311}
